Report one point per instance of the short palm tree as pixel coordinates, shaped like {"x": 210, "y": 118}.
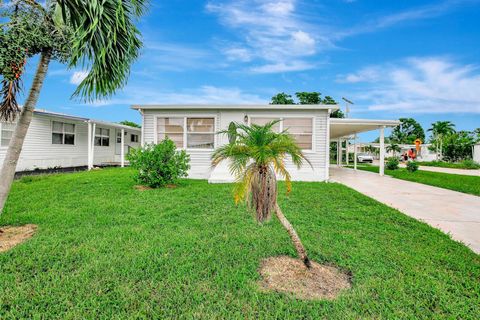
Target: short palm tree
{"x": 97, "y": 35}
{"x": 394, "y": 148}
{"x": 441, "y": 129}
{"x": 256, "y": 155}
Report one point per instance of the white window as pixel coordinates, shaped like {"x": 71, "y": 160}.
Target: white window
{"x": 63, "y": 133}
{"x": 171, "y": 128}
{"x": 300, "y": 128}
{"x": 199, "y": 133}
{"x": 102, "y": 137}
{"x": 6, "y": 133}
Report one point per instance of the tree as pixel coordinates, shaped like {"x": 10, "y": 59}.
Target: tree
{"x": 439, "y": 130}
{"x": 97, "y": 35}
{"x": 309, "y": 97}
{"x": 256, "y": 154}
{"x": 130, "y": 124}
{"x": 407, "y": 132}
{"x": 394, "y": 148}
{"x": 458, "y": 146}
{"x": 282, "y": 98}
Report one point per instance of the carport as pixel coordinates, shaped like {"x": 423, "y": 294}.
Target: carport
{"x": 348, "y": 129}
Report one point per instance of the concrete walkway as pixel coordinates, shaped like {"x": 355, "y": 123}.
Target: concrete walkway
{"x": 450, "y": 211}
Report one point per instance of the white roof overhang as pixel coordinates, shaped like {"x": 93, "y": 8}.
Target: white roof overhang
{"x": 340, "y": 128}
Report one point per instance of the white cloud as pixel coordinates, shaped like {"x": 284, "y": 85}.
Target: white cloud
{"x": 367, "y": 74}
{"x": 420, "y": 85}
{"x": 206, "y": 94}
{"x": 272, "y": 34}
{"x": 78, "y": 76}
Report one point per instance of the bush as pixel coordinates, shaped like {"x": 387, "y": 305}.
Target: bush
{"x": 392, "y": 163}
{"x": 160, "y": 164}
{"x": 470, "y": 164}
{"x": 412, "y": 166}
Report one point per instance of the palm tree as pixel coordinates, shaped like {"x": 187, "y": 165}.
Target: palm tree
{"x": 103, "y": 38}
{"x": 256, "y": 155}
{"x": 394, "y": 148}
{"x": 441, "y": 129}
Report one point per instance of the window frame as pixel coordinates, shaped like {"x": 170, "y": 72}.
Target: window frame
{"x": 101, "y": 137}
{"x": 185, "y": 131}
{"x": 63, "y": 133}
{"x": 1, "y": 135}
{"x": 281, "y": 128}
{"x": 132, "y": 140}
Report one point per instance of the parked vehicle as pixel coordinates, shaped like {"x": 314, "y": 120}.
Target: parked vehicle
{"x": 364, "y": 157}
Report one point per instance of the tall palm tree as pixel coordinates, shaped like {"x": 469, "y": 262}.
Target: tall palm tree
{"x": 441, "y": 129}
{"x": 104, "y": 40}
{"x": 394, "y": 148}
{"x": 256, "y": 155}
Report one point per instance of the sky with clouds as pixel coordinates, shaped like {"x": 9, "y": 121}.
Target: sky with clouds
{"x": 391, "y": 58}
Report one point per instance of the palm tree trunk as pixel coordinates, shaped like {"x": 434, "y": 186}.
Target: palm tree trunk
{"x": 302, "y": 253}
{"x": 16, "y": 143}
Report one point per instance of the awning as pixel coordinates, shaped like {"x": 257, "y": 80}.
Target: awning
{"x": 340, "y": 128}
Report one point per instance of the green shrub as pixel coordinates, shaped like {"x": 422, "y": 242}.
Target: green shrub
{"x": 392, "y": 163}
{"x": 470, "y": 164}
{"x": 160, "y": 164}
{"x": 412, "y": 166}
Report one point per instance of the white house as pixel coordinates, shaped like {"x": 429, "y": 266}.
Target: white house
{"x": 194, "y": 127}
{"x": 62, "y": 141}
{"x": 425, "y": 153}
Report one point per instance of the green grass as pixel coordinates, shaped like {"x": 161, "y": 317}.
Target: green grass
{"x": 106, "y": 251}
{"x": 456, "y": 182}
{"x": 467, "y": 165}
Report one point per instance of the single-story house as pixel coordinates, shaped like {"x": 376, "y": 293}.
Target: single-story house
{"x": 425, "y": 153}
{"x": 194, "y": 128}
{"x": 57, "y": 140}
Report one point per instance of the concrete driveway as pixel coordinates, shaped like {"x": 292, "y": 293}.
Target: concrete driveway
{"x": 452, "y": 212}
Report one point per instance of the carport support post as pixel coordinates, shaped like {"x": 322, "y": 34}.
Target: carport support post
{"x": 382, "y": 151}
{"x": 89, "y": 146}
{"x": 122, "y": 150}
{"x": 347, "y": 141}
{"x": 339, "y": 152}
{"x": 355, "y": 152}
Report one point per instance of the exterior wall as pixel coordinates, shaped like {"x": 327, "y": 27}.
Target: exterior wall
{"x": 476, "y": 153}
{"x": 39, "y": 152}
{"x": 200, "y": 160}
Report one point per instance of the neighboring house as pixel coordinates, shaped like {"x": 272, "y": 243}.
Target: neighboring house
{"x": 425, "y": 153}
{"x": 476, "y": 153}
{"x": 194, "y": 128}
{"x": 61, "y": 141}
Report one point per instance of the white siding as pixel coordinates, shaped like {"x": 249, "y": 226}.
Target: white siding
{"x": 476, "y": 153}
{"x": 200, "y": 161}
{"x": 39, "y": 152}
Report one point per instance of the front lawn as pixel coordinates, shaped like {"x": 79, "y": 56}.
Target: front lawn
{"x": 456, "y": 182}
{"x": 467, "y": 165}
{"x": 104, "y": 250}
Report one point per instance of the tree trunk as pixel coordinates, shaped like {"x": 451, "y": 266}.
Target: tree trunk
{"x": 302, "y": 253}
{"x": 16, "y": 143}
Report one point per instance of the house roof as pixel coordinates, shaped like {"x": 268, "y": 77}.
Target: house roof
{"x": 346, "y": 127}
{"x": 235, "y": 107}
{"x": 76, "y": 118}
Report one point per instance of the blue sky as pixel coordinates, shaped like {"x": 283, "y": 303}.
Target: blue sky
{"x": 392, "y": 58}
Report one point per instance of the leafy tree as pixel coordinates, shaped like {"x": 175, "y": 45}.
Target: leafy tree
{"x": 97, "y": 35}
{"x": 439, "y": 130}
{"x": 309, "y": 97}
{"x": 282, "y": 98}
{"x": 407, "y": 132}
{"x": 130, "y": 124}
{"x": 394, "y": 148}
{"x": 255, "y": 155}
{"x": 458, "y": 146}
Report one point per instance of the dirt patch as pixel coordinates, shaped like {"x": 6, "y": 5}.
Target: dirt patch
{"x": 142, "y": 188}
{"x": 288, "y": 275}
{"x": 13, "y": 236}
